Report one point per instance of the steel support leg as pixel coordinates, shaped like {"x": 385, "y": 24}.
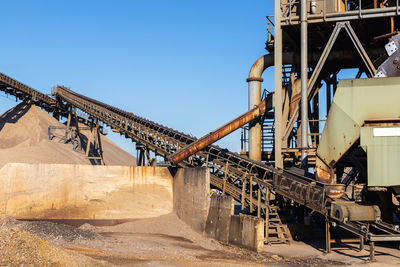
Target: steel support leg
{"x": 361, "y": 243}
{"x": 267, "y": 194}
{"x": 148, "y": 157}
{"x": 372, "y": 251}
{"x": 259, "y": 203}
{"x": 244, "y": 193}
{"x": 251, "y": 194}
{"x": 78, "y": 134}
{"x": 327, "y": 236}
{"x": 100, "y": 146}
{"x": 225, "y": 177}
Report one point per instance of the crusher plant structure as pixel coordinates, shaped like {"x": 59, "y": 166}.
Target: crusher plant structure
{"x": 341, "y": 165}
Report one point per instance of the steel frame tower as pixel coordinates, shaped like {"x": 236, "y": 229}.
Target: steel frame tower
{"x": 311, "y": 43}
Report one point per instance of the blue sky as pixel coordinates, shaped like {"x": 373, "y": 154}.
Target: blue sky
{"x": 179, "y": 63}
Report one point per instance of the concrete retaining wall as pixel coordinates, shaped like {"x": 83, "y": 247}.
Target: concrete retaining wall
{"x": 219, "y": 217}
{"x": 191, "y": 196}
{"x": 213, "y": 215}
{"x": 66, "y": 191}
{"x": 235, "y": 230}
{"x": 252, "y": 232}
{"x": 247, "y": 231}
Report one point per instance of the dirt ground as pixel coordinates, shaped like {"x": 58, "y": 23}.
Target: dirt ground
{"x": 160, "y": 241}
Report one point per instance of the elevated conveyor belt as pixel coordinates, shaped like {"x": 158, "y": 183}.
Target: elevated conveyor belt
{"x": 26, "y": 93}
{"x": 228, "y": 170}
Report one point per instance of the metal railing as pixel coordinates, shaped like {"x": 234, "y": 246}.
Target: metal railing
{"x": 353, "y": 10}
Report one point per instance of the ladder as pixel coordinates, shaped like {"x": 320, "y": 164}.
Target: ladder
{"x": 268, "y": 133}
{"x": 286, "y": 71}
{"x": 276, "y": 231}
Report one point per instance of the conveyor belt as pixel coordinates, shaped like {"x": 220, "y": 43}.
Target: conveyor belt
{"x": 223, "y": 164}
{"x": 25, "y": 93}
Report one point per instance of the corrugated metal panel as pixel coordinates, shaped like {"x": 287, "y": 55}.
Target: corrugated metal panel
{"x": 383, "y": 155}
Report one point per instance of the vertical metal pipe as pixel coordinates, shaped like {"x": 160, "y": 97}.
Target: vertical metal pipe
{"x": 278, "y": 84}
{"x": 255, "y": 127}
{"x": 304, "y": 79}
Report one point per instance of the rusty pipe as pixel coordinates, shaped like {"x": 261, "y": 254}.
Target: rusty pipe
{"x": 214, "y": 136}
{"x": 255, "y": 130}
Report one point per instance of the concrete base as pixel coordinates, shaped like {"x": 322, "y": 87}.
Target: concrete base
{"x": 66, "y": 191}
{"x": 235, "y": 230}
{"x": 252, "y": 233}
{"x": 247, "y": 231}
{"x": 219, "y": 217}
{"x": 191, "y": 196}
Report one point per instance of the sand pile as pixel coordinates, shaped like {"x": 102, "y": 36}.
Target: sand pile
{"x": 24, "y": 139}
{"x": 20, "y": 247}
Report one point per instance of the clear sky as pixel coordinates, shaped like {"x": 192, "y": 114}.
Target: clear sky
{"x": 180, "y": 63}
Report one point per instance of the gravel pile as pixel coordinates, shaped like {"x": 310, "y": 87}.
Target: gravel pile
{"x": 49, "y": 230}
{"x": 21, "y": 248}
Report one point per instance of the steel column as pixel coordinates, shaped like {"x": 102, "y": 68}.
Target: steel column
{"x": 304, "y": 80}
{"x": 278, "y": 85}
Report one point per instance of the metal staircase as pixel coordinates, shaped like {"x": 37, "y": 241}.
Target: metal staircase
{"x": 268, "y": 133}
{"x": 276, "y": 231}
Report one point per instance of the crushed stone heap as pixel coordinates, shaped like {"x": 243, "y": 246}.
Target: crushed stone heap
{"x": 24, "y": 139}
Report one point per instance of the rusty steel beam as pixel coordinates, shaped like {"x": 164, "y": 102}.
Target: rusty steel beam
{"x": 228, "y": 128}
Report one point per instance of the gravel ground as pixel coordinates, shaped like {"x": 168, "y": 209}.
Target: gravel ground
{"x": 21, "y": 248}
{"x": 51, "y": 231}
{"x": 161, "y": 241}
